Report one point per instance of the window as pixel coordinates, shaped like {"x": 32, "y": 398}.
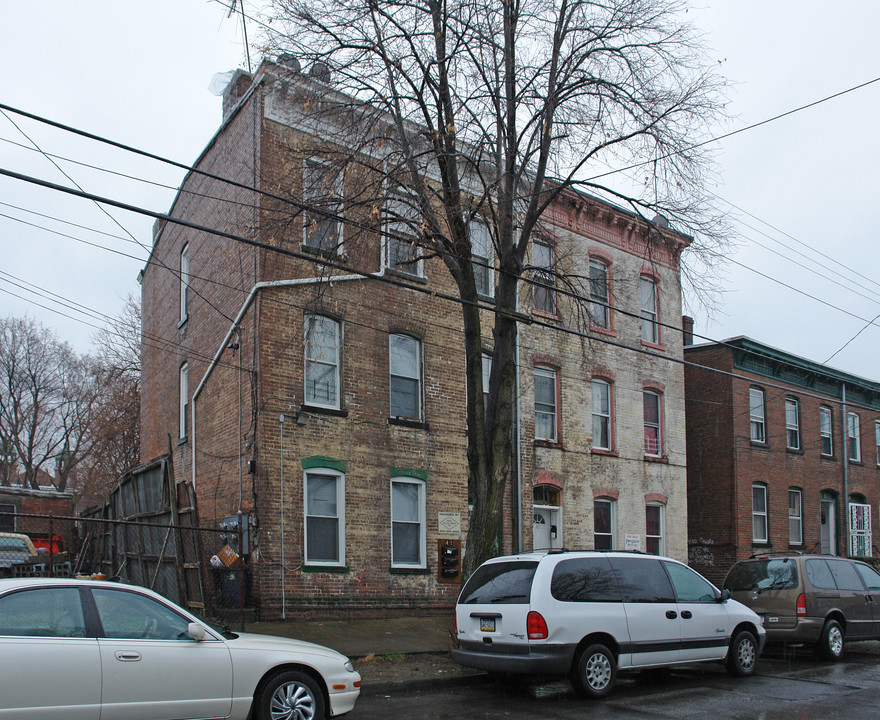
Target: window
{"x": 643, "y": 580}
{"x": 7, "y": 518}
{"x": 648, "y": 296}
{"x": 402, "y": 250}
{"x": 321, "y": 353}
{"x": 601, "y": 415}
{"x": 859, "y": 527}
{"x": 487, "y": 373}
{"x": 584, "y": 579}
{"x": 877, "y": 440}
{"x": 184, "y": 398}
{"x": 405, "y": 363}
{"x": 825, "y": 431}
{"x": 184, "y": 283}
{"x": 43, "y": 612}
{"x": 544, "y": 262}
{"x": 603, "y": 524}
{"x": 600, "y": 299}
{"x": 853, "y": 445}
{"x": 325, "y": 517}
{"x": 653, "y": 434}
{"x": 482, "y": 255}
{"x": 322, "y": 195}
{"x": 130, "y": 615}
{"x": 756, "y": 415}
{"x": 689, "y": 586}
{"x": 759, "y": 513}
{"x": 407, "y": 523}
{"x": 655, "y": 542}
{"x": 795, "y": 517}
{"x": 792, "y": 425}
{"x": 546, "y": 425}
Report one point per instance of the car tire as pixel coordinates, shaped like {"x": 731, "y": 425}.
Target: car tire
{"x": 595, "y": 672}
{"x": 290, "y": 695}
{"x": 742, "y": 655}
{"x": 831, "y": 641}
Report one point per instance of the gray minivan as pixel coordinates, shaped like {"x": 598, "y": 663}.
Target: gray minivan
{"x": 588, "y": 614}
{"x": 815, "y": 599}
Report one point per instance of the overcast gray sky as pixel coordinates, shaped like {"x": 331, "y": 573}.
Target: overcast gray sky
{"x": 801, "y": 191}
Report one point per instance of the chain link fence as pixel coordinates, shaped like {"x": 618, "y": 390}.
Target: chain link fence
{"x": 198, "y": 568}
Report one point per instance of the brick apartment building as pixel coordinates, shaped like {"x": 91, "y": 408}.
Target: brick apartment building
{"x": 328, "y": 406}
{"x": 783, "y": 455}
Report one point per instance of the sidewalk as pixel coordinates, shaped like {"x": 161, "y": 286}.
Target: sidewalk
{"x": 393, "y": 655}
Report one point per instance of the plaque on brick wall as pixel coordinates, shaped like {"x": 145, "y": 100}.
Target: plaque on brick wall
{"x": 449, "y": 523}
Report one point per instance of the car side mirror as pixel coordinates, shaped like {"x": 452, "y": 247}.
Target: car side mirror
{"x": 725, "y": 595}
{"x": 196, "y": 632}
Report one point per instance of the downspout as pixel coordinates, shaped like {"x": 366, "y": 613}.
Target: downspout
{"x": 516, "y": 409}
{"x": 283, "y": 566}
{"x": 235, "y": 324}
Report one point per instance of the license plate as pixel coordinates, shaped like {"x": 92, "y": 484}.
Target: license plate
{"x": 487, "y": 624}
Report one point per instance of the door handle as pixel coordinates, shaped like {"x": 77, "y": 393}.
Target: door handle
{"x": 686, "y": 614}
{"x": 671, "y": 614}
{"x": 127, "y": 656}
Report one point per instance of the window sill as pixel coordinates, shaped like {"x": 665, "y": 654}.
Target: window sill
{"x": 794, "y": 451}
{"x": 756, "y": 444}
{"x": 859, "y": 463}
{"x": 552, "y": 444}
{"x": 828, "y": 458}
{"x": 318, "y": 410}
{"x": 546, "y": 315}
{"x": 403, "y": 274}
{"x": 408, "y": 422}
{"x": 662, "y": 459}
{"x": 326, "y": 568}
{"x": 654, "y": 346}
{"x": 606, "y": 453}
{"x": 486, "y": 298}
{"x": 603, "y": 331}
{"x": 409, "y": 571}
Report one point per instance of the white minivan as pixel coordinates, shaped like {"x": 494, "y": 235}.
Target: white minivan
{"x": 589, "y": 614}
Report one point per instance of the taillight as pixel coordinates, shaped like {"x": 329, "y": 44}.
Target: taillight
{"x": 536, "y": 627}
{"x": 802, "y": 605}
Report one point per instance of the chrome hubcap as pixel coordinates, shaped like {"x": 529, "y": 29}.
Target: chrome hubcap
{"x": 746, "y": 654}
{"x": 292, "y": 701}
{"x": 835, "y": 640}
{"x": 598, "y": 671}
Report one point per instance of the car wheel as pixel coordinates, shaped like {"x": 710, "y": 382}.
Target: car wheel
{"x": 831, "y": 641}
{"x": 595, "y": 672}
{"x": 291, "y": 695}
{"x": 742, "y": 655}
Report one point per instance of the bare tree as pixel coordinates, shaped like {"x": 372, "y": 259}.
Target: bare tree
{"x": 477, "y": 112}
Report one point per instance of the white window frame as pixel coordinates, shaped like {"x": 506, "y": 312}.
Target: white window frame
{"x": 395, "y": 371}
{"x": 792, "y": 424}
{"x": 544, "y": 276}
{"x": 486, "y": 368}
{"x": 658, "y": 451}
{"x": 757, "y": 423}
{"x": 795, "y": 517}
{"x": 183, "y": 399}
{"x": 649, "y": 293}
{"x": 759, "y": 516}
{"x": 401, "y": 221}
{"x": 661, "y": 538}
{"x": 826, "y": 430}
{"x": 482, "y": 258}
{"x": 600, "y": 302}
{"x": 184, "y": 282}
{"x": 548, "y": 410}
{"x": 853, "y": 439}
{"x": 421, "y": 563}
{"x": 612, "y": 504}
{"x": 601, "y": 416}
{"x": 339, "y": 516}
{"x": 314, "y": 356}
{"x": 329, "y": 203}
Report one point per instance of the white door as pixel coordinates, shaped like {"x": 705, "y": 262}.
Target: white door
{"x": 828, "y": 528}
{"x": 547, "y": 532}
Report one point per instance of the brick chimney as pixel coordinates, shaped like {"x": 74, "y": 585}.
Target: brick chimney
{"x": 239, "y": 84}
{"x": 687, "y": 330}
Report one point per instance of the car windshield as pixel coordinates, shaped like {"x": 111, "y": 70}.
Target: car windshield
{"x": 11, "y": 544}
{"x": 766, "y": 574}
{"x": 506, "y": 583}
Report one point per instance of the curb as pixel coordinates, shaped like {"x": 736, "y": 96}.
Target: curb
{"x": 405, "y": 687}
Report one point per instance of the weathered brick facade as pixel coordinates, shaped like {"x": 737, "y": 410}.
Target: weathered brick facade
{"x": 256, "y": 438}
{"x": 727, "y": 460}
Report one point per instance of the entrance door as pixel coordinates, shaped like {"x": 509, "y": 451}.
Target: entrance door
{"x": 828, "y": 526}
{"x": 547, "y": 532}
